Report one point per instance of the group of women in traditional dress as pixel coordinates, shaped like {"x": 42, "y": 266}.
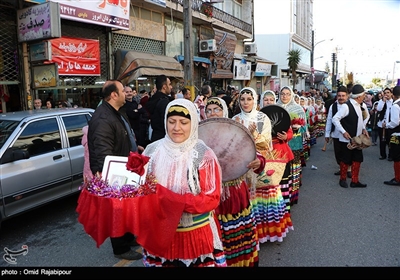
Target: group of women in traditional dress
{"x": 223, "y": 223}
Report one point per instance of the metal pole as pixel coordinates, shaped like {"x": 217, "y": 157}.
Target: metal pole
{"x": 333, "y": 70}
{"x": 312, "y": 49}
{"x": 188, "y": 49}
{"x": 394, "y": 68}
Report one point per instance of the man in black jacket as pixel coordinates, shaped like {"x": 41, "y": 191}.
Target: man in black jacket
{"x": 137, "y": 116}
{"x": 156, "y": 107}
{"x": 110, "y": 134}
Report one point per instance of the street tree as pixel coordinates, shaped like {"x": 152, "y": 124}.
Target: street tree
{"x": 294, "y": 58}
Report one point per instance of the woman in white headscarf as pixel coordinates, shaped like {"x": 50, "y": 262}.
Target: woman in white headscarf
{"x": 259, "y": 126}
{"x": 304, "y": 102}
{"x": 299, "y": 126}
{"x": 280, "y": 144}
{"x": 185, "y": 165}
{"x": 234, "y": 213}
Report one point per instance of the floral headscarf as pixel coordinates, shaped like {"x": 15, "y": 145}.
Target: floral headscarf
{"x": 294, "y": 109}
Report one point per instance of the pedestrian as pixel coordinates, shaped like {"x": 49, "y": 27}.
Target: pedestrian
{"x": 186, "y": 93}
{"x": 383, "y": 108}
{"x": 137, "y": 116}
{"x": 299, "y": 127}
{"x": 50, "y": 104}
{"x": 330, "y": 130}
{"x": 271, "y": 195}
{"x": 110, "y": 134}
{"x": 393, "y": 126}
{"x": 350, "y": 123}
{"x": 184, "y": 165}
{"x": 373, "y": 123}
{"x": 87, "y": 173}
{"x": 235, "y": 212}
{"x": 37, "y": 103}
{"x": 269, "y": 207}
{"x": 156, "y": 106}
{"x": 280, "y": 144}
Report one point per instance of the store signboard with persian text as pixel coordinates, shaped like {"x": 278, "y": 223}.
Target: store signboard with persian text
{"x": 76, "y": 56}
{"x": 39, "y": 22}
{"x": 112, "y": 13}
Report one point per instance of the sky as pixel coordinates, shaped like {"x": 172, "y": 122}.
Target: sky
{"x": 366, "y": 34}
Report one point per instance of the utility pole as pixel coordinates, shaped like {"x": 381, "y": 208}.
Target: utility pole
{"x": 333, "y": 71}
{"x": 188, "y": 49}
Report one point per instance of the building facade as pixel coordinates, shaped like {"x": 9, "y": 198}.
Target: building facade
{"x": 148, "y": 42}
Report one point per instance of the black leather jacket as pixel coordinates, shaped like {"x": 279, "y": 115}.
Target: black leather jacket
{"x": 106, "y": 136}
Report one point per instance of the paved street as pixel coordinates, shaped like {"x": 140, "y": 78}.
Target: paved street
{"x": 341, "y": 227}
{"x": 333, "y": 227}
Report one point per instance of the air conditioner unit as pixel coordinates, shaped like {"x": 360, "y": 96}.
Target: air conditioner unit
{"x": 208, "y": 45}
{"x": 250, "y": 48}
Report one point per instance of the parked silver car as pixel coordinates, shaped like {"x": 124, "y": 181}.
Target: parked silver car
{"x": 41, "y": 157}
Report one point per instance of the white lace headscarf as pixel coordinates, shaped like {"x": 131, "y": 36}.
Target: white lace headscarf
{"x": 176, "y": 165}
{"x": 262, "y": 121}
{"x": 263, "y": 127}
{"x": 267, "y": 92}
{"x": 220, "y": 103}
{"x": 292, "y": 107}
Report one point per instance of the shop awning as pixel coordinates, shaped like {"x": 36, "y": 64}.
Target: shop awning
{"x": 136, "y": 64}
{"x": 181, "y": 58}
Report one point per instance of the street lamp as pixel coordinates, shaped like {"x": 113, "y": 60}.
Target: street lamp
{"x": 394, "y": 68}
{"x": 313, "y": 45}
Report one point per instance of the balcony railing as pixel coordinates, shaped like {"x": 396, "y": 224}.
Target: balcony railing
{"x": 198, "y": 5}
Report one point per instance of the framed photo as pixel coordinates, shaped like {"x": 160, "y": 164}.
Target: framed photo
{"x": 45, "y": 75}
{"x": 115, "y": 173}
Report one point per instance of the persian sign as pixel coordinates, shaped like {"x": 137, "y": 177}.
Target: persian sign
{"x": 222, "y": 58}
{"x": 76, "y": 56}
{"x": 39, "y": 22}
{"x": 112, "y": 13}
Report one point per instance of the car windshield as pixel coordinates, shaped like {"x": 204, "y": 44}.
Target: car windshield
{"x": 6, "y": 129}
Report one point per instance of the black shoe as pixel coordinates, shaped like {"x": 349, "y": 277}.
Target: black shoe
{"x": 392, "y": 182}
{"x": 337, "y": 173}
{"x": 348, "y": 174}
{"x": 343, "y": 184}
{"x": 133, "y": 243}
{"x": 390, "y": 159}
{"x": 382, "y": 158}
{"x": 357, "y": 185}
{"x": 130, "y": 255}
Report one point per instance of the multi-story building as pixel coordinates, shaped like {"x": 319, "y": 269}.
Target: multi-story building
{"x": 130, "y": 40}
{"x": 288, "y": 29}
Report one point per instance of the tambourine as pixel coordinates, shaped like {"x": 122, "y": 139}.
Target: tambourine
{"x": 231, "y": 142}
{"x": 279, "y": 116}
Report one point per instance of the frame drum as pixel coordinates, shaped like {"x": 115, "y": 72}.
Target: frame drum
{"x": 279, "y": 116}
{"x": 231, "y": 142}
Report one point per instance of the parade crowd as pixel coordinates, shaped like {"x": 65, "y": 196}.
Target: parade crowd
{"x": 223, "y": 222}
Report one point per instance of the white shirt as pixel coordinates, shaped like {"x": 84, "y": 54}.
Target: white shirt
{"x": 394, "y": 117}
{"x": 328, "y": 125}
{"x": 344, "y": 112}
{"x": 380, "y": 107}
